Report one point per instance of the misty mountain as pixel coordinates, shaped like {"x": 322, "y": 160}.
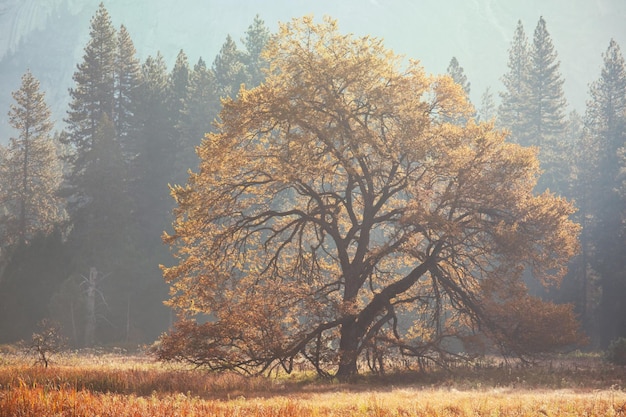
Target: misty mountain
{"x": 48, "y": 36}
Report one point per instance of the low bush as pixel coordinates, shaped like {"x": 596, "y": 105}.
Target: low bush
{"x": 616, "y": 354}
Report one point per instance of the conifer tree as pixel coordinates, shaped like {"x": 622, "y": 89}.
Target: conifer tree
{"x": 102, "y": 237}
{"x": 177, "y": 88}
{"x": 546, "y": 108}
{"x": 512, "y": 110}
{"x": 103, "y": 133}
{"x": 177, "y": 92}
{"x": 198, "y": 114}
{"x": 152, "y": 109}
{"x": 94, "y": 92}
{"x": 100, "y": 225}
{"x": 456, "y": 71}
{"x": 31, "y": 170}
{"x": 572, "y": 135}
{"x": 487, "y": 106}
{"x": 229, "y": 69}
{"x": 30, "y": 211}
{"x": 256, "y": 38}
{"x": 152, "y": 170}
{"x": 546, "y": 102}
{"x": 533, "y": 105}
{"x": 203, "y": 103}
{"x": 127, "y": 81}
{"x": 601, "y": 205}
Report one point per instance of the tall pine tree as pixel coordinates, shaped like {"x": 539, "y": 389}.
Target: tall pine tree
{"x": 487, "y": 109}
{"x": 601, "y": 205}
{"x": 546, "y": 107}
{"x": 127, "y": 82}
{"x": 512, "y": 110}
{"x": 32, "y": 260}
{"x": 153, "y": 167}
{"x": 533, "y": 104}
{"x": 177, "y": 96}
{"x": 257, "y": 36}
{"x": 101, "y": 224}
{"x": 198, "y": 114}
{"x": 102, "y": 236}
{"x": 229, "y": 69}
{"x": 546, "y": 102}
{"x": 31, "y": 170}
{"x": 456, "y": 71}
{"x": 94, "y": 91}
{"x": 177, "y": 88}
{"x": 103, "y": 133}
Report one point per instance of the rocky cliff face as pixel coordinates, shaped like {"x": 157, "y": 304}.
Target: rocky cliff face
{"x": 43, "y": 36}
{"x": 18, "y": 18}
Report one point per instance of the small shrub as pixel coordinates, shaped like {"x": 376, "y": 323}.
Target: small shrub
{"x": 46, "y": 342}
{"x": 617, "y": 351}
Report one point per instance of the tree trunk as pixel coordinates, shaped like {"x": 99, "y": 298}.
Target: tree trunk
{"x": 348, "y": 351}
{"x": 354, "y": 331}
{"x": 90, "y": 323}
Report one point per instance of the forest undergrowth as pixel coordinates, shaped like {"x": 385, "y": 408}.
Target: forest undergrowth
{"x": 107, "y": 384}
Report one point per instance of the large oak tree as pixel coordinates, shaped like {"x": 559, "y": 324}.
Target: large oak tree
{"x": 336, "y": 212}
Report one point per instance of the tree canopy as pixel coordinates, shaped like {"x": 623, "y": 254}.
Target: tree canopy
{"x": 335, "y": 211}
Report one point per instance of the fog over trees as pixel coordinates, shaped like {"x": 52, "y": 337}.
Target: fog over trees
{"x": 342, "y": 206}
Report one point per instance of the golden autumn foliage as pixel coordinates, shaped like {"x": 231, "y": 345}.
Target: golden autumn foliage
{"x": 337, "y": 209}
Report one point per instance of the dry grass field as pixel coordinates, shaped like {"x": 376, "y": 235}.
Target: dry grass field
{"x": 118, "y": 385}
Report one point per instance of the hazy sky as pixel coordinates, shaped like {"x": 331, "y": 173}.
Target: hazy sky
{"x": 477, "y": 32}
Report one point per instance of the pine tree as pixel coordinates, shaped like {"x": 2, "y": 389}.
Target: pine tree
{"x": 546, "y": 102}
{"x": 101, "y": 224}
{"x": 103, "y": 235}
{"x": 94, "y": 93}
{"x": 152, "y": 171}
{"x": 456, "y": 71}
{"x": 154, "y": 166}
{"x": 546, "y": 106}
{"x": 458, "y": 76}
{"x": 601, "y": 205}
{"x": 256, "y": 38}
{"x": 533, "y": 105}
{"x": 177, "y": 92}
{"x": 32, "y": 260}
{"x": 199, "y": 112}
{"x": 127, "y": 81}
{"x": 178, "y": 85}
{"x": 487, "y": 106}
{"x": 512, "y": 111}
{"x": 104, "y": 134}
{"x": 229, "y": 69}
{"x": 572, "y": 135}
{"x": 31, "y": 170}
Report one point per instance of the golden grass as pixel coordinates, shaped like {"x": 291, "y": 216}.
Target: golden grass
{"x": 109, "y": 385}
{"x": 41, "y": 401}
